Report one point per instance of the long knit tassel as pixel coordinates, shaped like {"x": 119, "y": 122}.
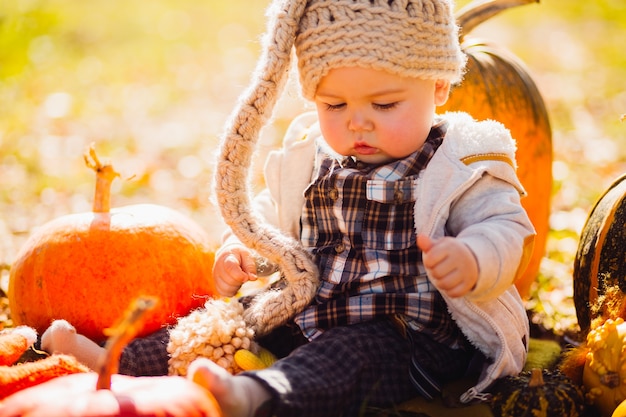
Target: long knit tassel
{"x": 231, "y": 182}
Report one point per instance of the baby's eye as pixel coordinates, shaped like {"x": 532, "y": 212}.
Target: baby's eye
{"x": 386, "y": 106}
{"x": 333, "y": 107}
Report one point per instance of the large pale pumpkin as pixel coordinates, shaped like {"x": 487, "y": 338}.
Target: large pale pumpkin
{"x": 497, "y": 86}
{"x": 600, "y": 261}
{"x": 87, "y": 267}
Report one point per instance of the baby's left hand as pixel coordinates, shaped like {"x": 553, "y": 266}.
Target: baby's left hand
{"x": 450, "y": 264}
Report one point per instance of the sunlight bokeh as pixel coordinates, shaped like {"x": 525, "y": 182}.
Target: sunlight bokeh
{"x": 152, "y": 84}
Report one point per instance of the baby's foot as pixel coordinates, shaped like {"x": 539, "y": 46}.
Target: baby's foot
{"x": 238, "y": 396}
{"x": 61, "y": 337}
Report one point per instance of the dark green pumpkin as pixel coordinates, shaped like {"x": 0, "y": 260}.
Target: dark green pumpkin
{"x": 537, "y": 393}
{"x": 601, "y": 257}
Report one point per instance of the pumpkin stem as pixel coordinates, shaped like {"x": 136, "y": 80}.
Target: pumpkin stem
{"x": 536, "y": 378}
{"x": 105, "y": 174}
{"x": 119, "y": 336}
{"x": 479, "y": 11}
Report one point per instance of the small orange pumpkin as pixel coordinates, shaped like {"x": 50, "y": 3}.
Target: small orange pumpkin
{"x": 87, "y": 267}
{"x": 497, "y": 86}
{"x": 108, "y": 394}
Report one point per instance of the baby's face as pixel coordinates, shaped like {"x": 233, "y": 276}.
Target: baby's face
{"x": 374, "y": 115}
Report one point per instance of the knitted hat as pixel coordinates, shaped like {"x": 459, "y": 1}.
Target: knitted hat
{"x": 416, "y": 38}
{"x": 412, "y": 38}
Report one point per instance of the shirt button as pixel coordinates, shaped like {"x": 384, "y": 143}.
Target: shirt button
{"x": 340, "y": 247}
{"x": 333, "y": 194}
{"x": 398, "y": 196}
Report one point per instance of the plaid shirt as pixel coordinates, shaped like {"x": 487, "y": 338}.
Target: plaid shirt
{"x": 358, "y": 222}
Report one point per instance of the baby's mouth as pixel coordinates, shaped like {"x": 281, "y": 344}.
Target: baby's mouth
{"x": 364, "y": 149}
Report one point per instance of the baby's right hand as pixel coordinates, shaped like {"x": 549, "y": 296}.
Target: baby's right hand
{"x": 233, "y": 267}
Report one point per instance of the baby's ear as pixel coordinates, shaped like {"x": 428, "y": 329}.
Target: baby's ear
{"x": 14, "y": 342}
{"x": 442, "y": 91}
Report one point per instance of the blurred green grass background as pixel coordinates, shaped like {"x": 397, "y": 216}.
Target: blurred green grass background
{"x": 152, "y": 84}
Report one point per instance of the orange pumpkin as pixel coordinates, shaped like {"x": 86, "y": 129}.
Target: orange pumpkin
{"x": 108, "y": 394}
{"x": 87, "y": 267}
{"x": 497, "y": 86}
